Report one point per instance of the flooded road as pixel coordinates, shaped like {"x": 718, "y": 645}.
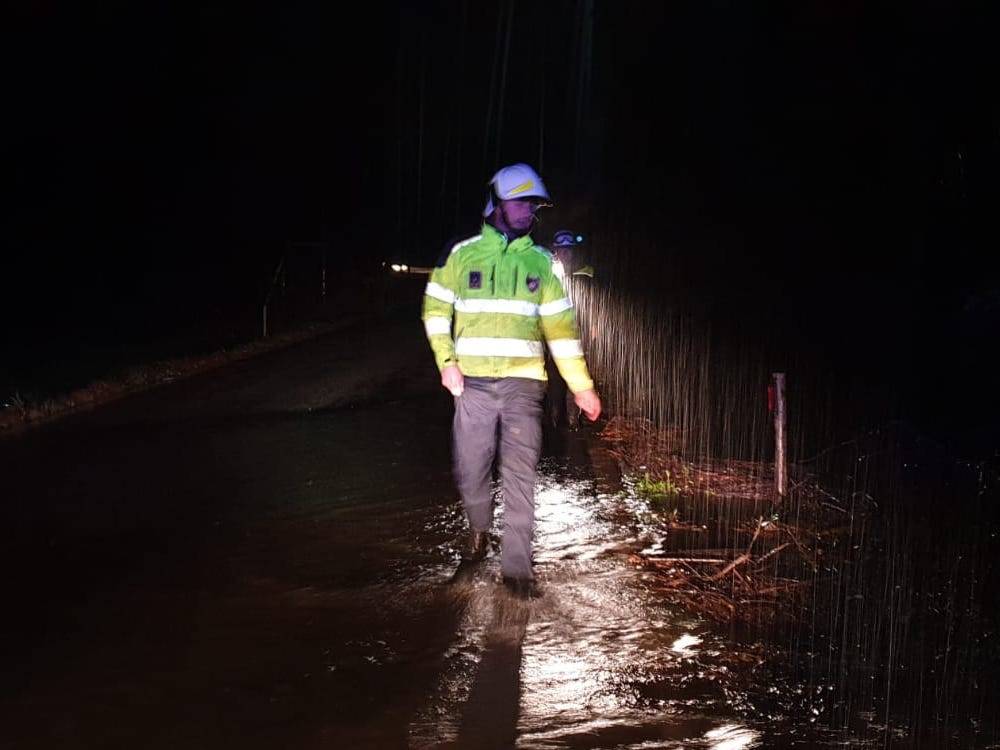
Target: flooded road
{"x": 244, "y": 560}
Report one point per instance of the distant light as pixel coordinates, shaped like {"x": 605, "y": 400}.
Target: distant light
{"x": 396, "y": 267}
{"x": 579, "y": 239}
{"x": 404, "y": 268}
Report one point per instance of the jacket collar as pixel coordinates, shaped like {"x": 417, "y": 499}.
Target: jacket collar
{"x": 498, "y": 239}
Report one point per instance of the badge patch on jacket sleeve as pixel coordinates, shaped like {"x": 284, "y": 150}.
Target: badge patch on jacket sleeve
{"x": 475, "y": 279}
{"x": 532, "y": 282}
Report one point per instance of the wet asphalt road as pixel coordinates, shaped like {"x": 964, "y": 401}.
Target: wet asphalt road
{"x": 161, "y": 550}
{"x": 264, "y": 557}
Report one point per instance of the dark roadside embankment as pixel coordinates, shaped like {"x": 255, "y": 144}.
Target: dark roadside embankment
{"x": 21, "y": 411}
{"x": 54, "y": 378}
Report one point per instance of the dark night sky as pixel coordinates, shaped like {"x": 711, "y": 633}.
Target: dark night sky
{"x": 842, "y": 156}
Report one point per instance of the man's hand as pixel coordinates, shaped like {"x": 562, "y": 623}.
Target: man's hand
{"x": 453, "y": 380}
{"x": 589, "y": 403}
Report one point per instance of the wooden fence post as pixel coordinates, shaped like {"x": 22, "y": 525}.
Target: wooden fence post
{"x": 780, "y": 438}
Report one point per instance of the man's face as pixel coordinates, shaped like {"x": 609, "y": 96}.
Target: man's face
{"x": 519, "y": 213}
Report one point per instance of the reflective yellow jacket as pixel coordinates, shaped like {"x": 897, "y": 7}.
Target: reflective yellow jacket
{"x": 491, "y": 305}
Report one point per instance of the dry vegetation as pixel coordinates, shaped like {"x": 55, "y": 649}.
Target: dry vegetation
{"x": 775, "y": 562}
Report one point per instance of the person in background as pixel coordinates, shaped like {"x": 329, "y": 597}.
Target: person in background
{"x": 569, "y": 266}
{"x": 565, "y": 250}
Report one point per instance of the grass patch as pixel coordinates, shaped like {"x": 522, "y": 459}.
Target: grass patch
{"x": 664, "y": 487}
{"x": 661, "y": 493}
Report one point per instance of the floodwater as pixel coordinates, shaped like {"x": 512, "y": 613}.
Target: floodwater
{"x": 268, "y": 574}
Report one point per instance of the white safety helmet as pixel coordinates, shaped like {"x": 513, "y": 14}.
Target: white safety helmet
{"x": 515, "y": 181}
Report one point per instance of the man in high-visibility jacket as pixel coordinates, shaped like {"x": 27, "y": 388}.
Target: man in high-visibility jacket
{"x": 487, "y": 310}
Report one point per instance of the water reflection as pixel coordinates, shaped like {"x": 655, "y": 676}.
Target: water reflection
{"x": 600, "y": 660}
{"x": 594, "y": 662}
{"x": 491, "y": 711}
{"x": 732, "y": 737}
{"x": 682, "y": 646}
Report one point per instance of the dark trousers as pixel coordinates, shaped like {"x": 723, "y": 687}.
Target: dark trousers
{"x": 500, "y": 415}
